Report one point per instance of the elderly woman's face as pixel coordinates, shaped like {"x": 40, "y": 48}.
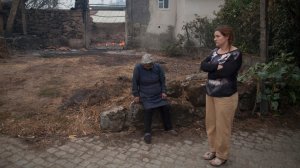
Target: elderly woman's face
{"x": 148, "y": 66}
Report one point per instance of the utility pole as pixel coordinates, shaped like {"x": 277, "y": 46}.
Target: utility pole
{"x": 86, "y": 15}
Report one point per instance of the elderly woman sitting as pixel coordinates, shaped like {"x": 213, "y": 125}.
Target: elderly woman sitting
{"x": 148, "y": 87}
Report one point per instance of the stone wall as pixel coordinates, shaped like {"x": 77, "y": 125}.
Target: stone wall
{"x": 54, "y": 27}
{"x": 187, "y": 100}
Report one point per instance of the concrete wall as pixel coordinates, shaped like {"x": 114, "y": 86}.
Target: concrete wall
{"x": 188, "y": 8}
{"x": 148, "y": 26}
{"x": 161, "y": 19}
{"x": 179, "y": 13}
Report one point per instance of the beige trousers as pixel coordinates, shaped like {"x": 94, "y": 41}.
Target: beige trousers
{"x": 219, "y": 118}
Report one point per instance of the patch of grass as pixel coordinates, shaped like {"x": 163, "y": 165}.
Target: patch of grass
{"x": 1, "y": 103}
{"x": 56, "y": 81}
{"x": 26, "y": 115}
{"x": 4, "y": 115}
{"x": 51, "y": 92}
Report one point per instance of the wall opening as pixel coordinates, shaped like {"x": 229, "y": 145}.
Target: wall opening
{"x": 107, "y": 24}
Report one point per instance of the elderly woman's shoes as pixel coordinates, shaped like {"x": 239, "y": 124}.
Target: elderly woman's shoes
{"x": 172, "y": 132}
{"x": 147, "y": 138}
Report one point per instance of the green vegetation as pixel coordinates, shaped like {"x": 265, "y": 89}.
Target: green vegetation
{"x": 243, "y": 16}
{"x": 51, "y": 92}
{"x": 281, "y": 74}
{"x": 282, "y": 80}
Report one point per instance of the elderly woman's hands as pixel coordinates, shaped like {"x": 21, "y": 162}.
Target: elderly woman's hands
{"x": 136, "y": 99}
{"x": 164, "y": 96}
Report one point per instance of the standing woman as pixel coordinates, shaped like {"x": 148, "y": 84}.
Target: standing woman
{"x": 222, "y": 66}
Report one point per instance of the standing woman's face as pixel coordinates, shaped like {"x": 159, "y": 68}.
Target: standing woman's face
{"x": 220, "y": 40}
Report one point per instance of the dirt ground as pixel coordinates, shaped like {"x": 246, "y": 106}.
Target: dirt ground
{"x": 46, "y": 98}
{"x": 61, "y": 96}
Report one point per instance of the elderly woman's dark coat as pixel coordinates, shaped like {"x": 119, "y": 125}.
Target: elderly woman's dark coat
{"x": 149, "y": 85}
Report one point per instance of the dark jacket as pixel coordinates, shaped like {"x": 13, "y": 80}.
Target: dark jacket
{"x": 149, "y": 85}
{"x": 227, "y": 76}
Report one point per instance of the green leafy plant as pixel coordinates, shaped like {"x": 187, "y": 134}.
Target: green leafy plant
{"x": 201, "y": 29}
{"x": 243, "y": 17}
{"x": 173, "y": 47}
{"x": 281, "y": 78}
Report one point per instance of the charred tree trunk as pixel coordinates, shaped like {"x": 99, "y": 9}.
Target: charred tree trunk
{"x": 12, "y": 15}
{"x": 4, "y": 52}
{"x": 1, "y": 19}
{"x": 23, "y": 11}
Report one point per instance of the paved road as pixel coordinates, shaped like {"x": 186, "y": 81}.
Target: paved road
{"x": 276, "y": 148}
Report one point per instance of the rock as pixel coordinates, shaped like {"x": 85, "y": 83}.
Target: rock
{"x": 200, "y": 112}
{"x": 247, "y": 99}
{"x": 247, "y": 95}
{"x": 135, "y": 115}
{"x": 198, "y": 76}
{"x": 174, "y": 89}
{"x": 113, "y": 120}
{"x": 196, "y": 92}
{"x": 182, "y": 113}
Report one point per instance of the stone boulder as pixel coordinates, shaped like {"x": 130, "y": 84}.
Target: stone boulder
{"x": 197, "y": 76}
{"x": 195, "y": 93}
{"x": 135, "y": 115}
{"x": 187, "y": 100}
{"x": 114, "y": 119}
{"x": 174, "y": 89}
{"x": 247, "y": 99}
{"x": 182, "y": 114}
{"x": 199, "y": 113}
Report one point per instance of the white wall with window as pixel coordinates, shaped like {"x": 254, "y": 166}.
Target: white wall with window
{"x": 203, "y": 8}
{"x": 163, "y": 4}
{"x": 164, "y": 13}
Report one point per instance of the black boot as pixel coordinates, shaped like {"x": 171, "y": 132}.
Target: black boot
{"x": 147, "y": 138}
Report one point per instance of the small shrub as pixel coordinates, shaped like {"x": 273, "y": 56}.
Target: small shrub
{"x": 281, "y": 77}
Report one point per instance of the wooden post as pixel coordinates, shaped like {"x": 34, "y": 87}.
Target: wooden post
{"x": 263, "y": 47}
{"x": 1, "y": 20}
{"x": 12, "y": 15}
{"x": 86, "y": 14}
{"x": 24, "y": 23}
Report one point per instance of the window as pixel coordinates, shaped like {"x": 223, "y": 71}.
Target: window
{"x": 163, "y": 4}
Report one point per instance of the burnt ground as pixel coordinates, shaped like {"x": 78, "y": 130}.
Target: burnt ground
{"x": 52, "y": 98}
